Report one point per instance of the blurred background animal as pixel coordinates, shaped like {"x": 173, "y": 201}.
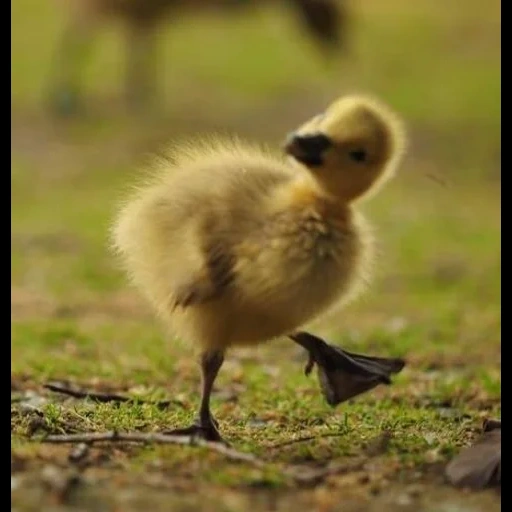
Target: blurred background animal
{"x": 324, "y": 21}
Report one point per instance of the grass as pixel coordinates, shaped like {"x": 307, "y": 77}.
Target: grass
{"x": 435, "y": 300}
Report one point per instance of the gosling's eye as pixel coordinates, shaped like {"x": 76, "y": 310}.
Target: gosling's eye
{"x": 358, "y": 155}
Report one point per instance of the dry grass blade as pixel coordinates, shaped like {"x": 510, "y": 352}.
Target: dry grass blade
{"x": 105, "y": 397}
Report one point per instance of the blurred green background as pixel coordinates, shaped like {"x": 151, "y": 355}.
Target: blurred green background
{"x": 436, "y": 296}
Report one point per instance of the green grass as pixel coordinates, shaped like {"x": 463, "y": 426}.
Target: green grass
{"x": 435, "y": 299}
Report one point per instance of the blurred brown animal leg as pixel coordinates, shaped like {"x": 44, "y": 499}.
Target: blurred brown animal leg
{"x": 205, "y": 426}
{"x": 140, "y": 71}
{"x": 325, "y": 20}
{"x": 70, "y": 56}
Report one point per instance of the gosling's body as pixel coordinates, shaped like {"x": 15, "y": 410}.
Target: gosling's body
{"x": 233, "y": 245}
{"x": 255, "y": 255}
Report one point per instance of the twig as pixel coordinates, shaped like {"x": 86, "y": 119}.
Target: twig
{"x": 308, "y": 476}
{"x": 105, "y": 397}
{"x": 141, "y": 437}
{"x": 305, "y": 439}
{"x": 375, "y": 447}
{"x": 300, "y": 474}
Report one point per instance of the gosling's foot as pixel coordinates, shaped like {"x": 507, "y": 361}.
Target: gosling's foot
{"x": 206, "y": 432}
{"x": 344, "y": 375}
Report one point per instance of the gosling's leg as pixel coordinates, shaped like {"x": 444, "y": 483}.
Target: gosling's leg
{"x": 342, "y": 374}
{"x": 205, "y": 425}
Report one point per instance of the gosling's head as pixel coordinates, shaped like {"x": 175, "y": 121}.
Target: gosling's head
{"x": 351, "y": 148}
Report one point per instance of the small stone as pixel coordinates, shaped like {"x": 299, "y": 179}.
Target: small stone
{"x": 15, "y": 482}
{"x": 404, "y": 499}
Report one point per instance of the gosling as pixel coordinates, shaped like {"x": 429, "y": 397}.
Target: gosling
{"x": 233, "y": 245}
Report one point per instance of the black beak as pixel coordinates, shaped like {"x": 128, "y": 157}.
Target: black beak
{"x": 308, "y": 149}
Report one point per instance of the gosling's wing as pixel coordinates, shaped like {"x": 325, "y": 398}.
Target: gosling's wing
{"x": 226, "y": 211}
{"x": 217, "y": 275}
{"x": 225, "y": 221}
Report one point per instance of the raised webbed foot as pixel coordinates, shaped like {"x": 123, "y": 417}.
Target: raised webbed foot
{"x": 342, "y": 374}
